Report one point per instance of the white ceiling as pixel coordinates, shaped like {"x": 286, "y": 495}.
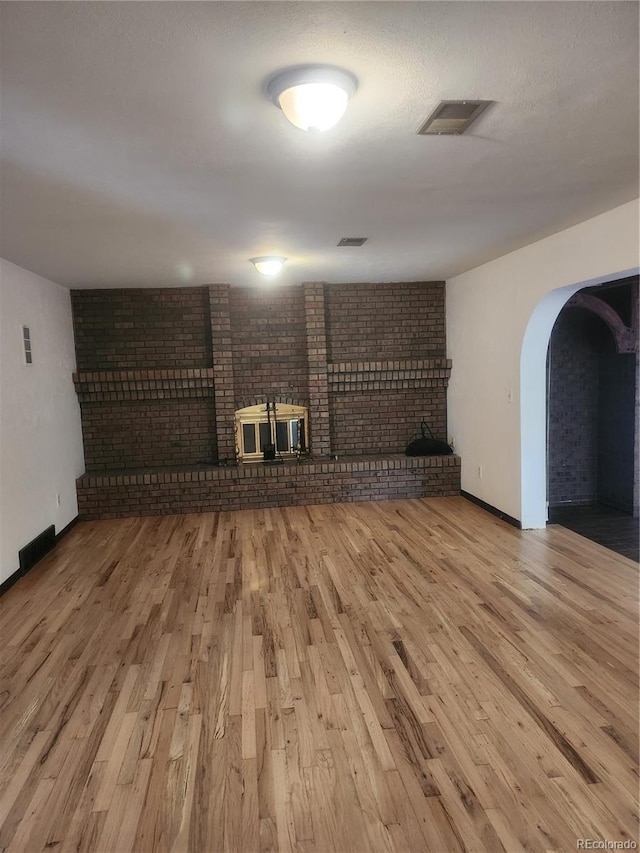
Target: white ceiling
{"x": 138, "y": 148}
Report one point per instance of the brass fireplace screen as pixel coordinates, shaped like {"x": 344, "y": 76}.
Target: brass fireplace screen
{"x": 271, "y": 430}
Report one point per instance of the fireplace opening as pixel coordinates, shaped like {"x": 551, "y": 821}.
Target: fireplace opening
{"x": 271, "y": 431}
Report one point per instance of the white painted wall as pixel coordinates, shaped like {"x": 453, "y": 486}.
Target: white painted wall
{"x": 40, "y": 433}
{"x": 493, "y": 391}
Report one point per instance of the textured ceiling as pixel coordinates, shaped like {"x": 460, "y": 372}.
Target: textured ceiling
{"x": 138, "y": 148}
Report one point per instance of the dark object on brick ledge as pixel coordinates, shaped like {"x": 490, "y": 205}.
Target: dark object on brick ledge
{"x": 427, "y": 445}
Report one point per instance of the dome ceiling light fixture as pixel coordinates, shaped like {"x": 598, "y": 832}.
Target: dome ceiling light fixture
{"x": 268, "y": 264}
{"x": 312, "y": 97}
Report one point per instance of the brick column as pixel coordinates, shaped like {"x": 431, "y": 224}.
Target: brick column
{"x": 223, "y": 389}
{"x": 317, "y": 362}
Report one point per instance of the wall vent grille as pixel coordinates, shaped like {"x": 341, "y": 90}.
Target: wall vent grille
{"x": 26, "y": 340}
{"x": 37, "y": 548}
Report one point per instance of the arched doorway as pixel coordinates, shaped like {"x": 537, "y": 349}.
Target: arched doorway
{"x": 533, "y": 400}
{"x": 592, "y": 447}
{"x": 585, "y": 396}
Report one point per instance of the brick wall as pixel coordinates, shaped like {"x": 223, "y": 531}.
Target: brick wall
{"x": 402, "y": 326}
{"x": 398, "y": 320}
{"x": 636, "y": 441}
{"x": 384, "y": 421}
{"x": 319, "y": 412}
{"x": 616, "y": 421}
{"x": 147, "y": 434}
{"x": 574, "y": 347}
{"x": 160, "y": 373}
{"x": 269, "y": 343}
{"x": 223, "y": 373}
{"x": 138, "y": 329}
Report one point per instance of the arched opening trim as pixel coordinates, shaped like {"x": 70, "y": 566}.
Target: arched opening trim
{"x": 626, "y": 338}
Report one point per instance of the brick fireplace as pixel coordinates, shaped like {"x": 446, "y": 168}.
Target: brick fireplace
{"x": 162, "y": 372}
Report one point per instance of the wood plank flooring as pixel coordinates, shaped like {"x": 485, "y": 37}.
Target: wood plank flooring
{"x": 402, "y": 676}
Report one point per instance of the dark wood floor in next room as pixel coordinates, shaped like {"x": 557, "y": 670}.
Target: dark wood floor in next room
{"x": 616, "y": 530}
{"x": 412, "y": 676}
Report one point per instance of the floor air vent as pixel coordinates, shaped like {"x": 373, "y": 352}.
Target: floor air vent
{"x": 37, "y": 548}
{"x": 451, "y": 118}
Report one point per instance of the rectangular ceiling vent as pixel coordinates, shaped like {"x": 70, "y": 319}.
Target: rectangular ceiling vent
{"x": 352, "y": 241}
{"x": 451, "y": 118}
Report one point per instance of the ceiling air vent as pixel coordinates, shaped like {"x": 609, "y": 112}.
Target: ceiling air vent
{"x": 451, "y": 118}
{"x": 352, "y": 241}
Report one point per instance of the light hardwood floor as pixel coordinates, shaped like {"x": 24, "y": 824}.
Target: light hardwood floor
{"x": 402, "y": 676}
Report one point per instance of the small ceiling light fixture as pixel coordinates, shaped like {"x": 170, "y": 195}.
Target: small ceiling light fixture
{"x": 268, "y": 265}
{"x": 312, "y": 97}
